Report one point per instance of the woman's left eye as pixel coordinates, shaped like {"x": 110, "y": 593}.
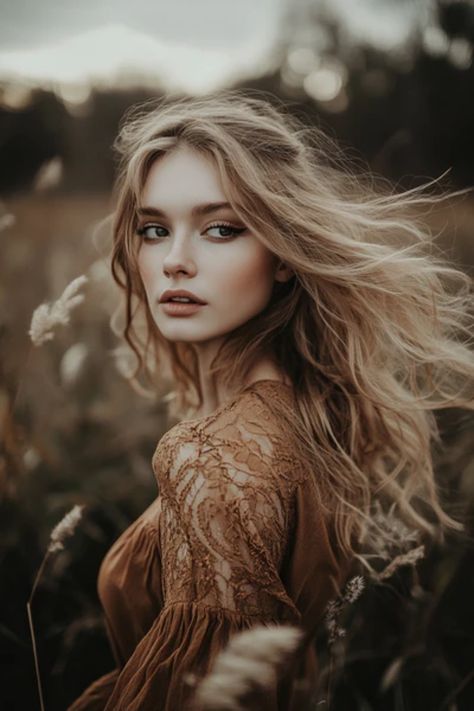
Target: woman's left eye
{"x": 229, "y": 230}
{"x": 150, "y": 232}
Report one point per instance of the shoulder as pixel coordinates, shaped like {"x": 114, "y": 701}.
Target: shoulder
{"x": 251, "y": 414}
{"x": 247, "y": 435}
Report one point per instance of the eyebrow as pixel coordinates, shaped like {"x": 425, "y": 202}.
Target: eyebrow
{"x": 198, "y": 210}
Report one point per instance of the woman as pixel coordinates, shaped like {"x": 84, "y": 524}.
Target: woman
{"x": 308, "y": 336}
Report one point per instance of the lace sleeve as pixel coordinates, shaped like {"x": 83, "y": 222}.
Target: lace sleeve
{"x": 226, "y": 509}
{"x": 225, "y": 516}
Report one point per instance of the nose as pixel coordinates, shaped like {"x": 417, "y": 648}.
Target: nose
{"x": 179, "y": 258}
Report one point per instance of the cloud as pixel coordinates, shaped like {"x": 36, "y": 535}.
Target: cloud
{"x": 118, "y": 54}
{"x": 208, "y": 23}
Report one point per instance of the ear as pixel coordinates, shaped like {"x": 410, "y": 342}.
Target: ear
{"x": 283, "y": 272}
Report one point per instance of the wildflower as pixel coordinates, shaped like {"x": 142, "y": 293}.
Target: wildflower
{"x": 249, "y": 662}
{"x": 7, "y": 221}
{"x": 403, "y": 559}
{"x": 391, "y": 673}
{"x": 72, "y": 363}
{"x": 354, "y": 589}
{"x": 123, "y": 361}
{"x": 46, "y": 316}
{"x": 389, "y": 523}
{"x": 60, "y": 532}
{"x": 49, "y": 175}
{"x": 64, "y": 528}
{"x": 335, "y": 607}
{"x": 333, "y": 628}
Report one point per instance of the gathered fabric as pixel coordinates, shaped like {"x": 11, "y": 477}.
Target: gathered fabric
{"x": 235, "y": 538}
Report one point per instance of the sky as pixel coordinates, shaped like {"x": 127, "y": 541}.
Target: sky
{"x": 191, "y": 45}
{"x": 384, "y": 23}
{"x": 186, "y": 45}
{"x": 209, "y": 23}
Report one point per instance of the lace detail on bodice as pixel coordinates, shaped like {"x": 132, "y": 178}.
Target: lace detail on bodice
{"x": 226, "y": 483}
{"x": 236, "y": 538}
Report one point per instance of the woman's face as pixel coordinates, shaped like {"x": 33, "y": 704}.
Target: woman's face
{"x": 187, "y": 243}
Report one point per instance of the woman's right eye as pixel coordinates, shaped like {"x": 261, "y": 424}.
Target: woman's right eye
{"x": 150, "y": 232}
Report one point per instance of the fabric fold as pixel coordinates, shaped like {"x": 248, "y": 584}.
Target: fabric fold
{"x": 131, "y": 565}
{"x": 178, "y": 650}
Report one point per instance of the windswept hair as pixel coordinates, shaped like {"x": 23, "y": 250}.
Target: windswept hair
{"x": 374, "y": 328}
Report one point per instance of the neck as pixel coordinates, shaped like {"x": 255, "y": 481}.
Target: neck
{"x": 214, "y": 393}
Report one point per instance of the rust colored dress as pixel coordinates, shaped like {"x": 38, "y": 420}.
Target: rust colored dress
{"x": 234, "y": 539}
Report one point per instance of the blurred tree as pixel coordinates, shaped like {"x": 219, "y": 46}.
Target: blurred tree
{"x": 456, "y": 18}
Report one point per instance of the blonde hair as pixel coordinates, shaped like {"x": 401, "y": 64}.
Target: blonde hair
{"x": 373, "y": 329}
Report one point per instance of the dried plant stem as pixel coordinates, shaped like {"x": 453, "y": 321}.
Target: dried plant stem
{"x": 61, "y": 532}
{"x": 38, "y": 575}
{"x": 32, "y": 629}
{"x": 457, "y": 690}
{"x": 35, "y": 654}
{"x": 330, "y": 676}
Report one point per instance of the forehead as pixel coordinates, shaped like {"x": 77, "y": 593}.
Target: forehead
{"x": 182, "y": 176}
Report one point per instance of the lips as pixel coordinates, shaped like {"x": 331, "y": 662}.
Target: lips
{"x": 180, "y": 309}
{"x": 170, "y": 293}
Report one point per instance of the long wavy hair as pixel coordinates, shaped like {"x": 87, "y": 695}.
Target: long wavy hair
{"x": 374, "y": 328}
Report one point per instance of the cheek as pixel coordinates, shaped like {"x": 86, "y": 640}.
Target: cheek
{"x": 147, "y": 269}
{"x": 250, "y": 279}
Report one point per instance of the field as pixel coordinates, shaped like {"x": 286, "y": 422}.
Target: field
{"x": 74, "y": 432}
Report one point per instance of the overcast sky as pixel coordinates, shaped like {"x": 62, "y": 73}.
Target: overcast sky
{"x": 186, "y": 44}
{"x": 205, "y": 23}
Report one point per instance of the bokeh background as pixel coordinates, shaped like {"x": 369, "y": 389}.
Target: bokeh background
{"x": 393, "y": 81}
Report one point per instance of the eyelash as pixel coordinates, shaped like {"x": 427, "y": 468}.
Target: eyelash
{"x": 235, "y": 231}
